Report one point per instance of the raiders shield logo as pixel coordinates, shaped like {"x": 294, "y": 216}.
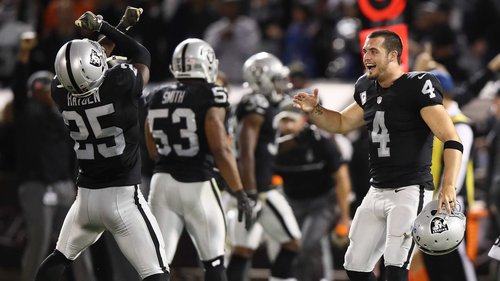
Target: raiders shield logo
{"x": 95, "y": 60}
{"x": 438, "y": 225}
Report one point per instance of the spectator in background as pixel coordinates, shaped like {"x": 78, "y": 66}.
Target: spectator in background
{"x": 234, "y": 37}
{"x": 59, "y": 12}
{"x": 481, "y": 20}
{"x": 58, "y": 29}
{"x": 190, "y": 20}
{"x": 272, "y": 17}
{"x": 10, "y": 30}
{"x": 298, "y": 41}
{"x": 45, "y": 164}
{"x": 151, "y": 32}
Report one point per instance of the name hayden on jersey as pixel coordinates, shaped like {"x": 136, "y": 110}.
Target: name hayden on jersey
{"x": 77, "y": 101}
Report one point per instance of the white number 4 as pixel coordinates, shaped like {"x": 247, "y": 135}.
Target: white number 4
{"x": 380, "y": 134}
{"x": 428, "y": 89}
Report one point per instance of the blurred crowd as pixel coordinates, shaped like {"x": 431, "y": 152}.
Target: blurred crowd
{"x": 317, "y": 39}
{"x": 322, "y": 34}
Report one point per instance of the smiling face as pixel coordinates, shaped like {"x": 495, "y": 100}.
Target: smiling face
{"x": 376, "y": 58}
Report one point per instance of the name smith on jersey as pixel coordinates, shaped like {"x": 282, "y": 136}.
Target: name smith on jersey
{"x": 176, "y": 96}
{"x": 77, "y": 101}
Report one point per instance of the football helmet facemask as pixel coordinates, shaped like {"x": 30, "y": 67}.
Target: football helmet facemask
{"x": 194, "y": 58}
{"x": 438, "y": 233}
{"x": 265, "y": 74}
{"x": 80, "y": 66}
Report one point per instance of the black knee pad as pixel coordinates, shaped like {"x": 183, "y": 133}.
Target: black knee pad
{"x": 395, "y": 273}
{"x": 215, "y": 270}
{"x": 361, "y": 276}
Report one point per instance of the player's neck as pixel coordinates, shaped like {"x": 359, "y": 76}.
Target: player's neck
{"x": 390, "y": 76}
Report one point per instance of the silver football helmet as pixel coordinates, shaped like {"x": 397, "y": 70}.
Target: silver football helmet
{"x": 194, "y": 58}
{"x": 264, "y": 73}
{"x": 80, "y": 66}
{"x": 438, "y": 233}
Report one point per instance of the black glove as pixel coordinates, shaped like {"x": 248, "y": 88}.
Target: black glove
{"x": 244, "y": 208}
{"x": 89, "y": 21}
{"x": 130, "y": 17}
{"x": 253, "y": 195}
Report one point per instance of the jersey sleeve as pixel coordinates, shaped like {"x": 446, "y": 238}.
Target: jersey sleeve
{"x": 360, "y": 88}
{"x": 127, "y": 74}
{"x": 252, "y": 103}
{"x": 219, "y": 96}
{"x": 428, "y": 90}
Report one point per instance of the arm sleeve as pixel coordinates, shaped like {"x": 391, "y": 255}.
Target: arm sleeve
{"x": 219, "y": 97}
{"x": 136, "y": 52}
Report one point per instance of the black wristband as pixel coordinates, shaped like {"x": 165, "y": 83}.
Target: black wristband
{"x": 454, "y": 145}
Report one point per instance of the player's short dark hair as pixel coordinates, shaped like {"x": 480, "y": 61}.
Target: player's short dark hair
{"x": 391, "y": 43}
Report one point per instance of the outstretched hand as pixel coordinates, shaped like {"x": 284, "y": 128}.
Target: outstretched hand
{"x": 244, "y": 208}
{"x": 131, "y": 16}
{"x": 305, "y": 101}
{"x": 89, "y": 21}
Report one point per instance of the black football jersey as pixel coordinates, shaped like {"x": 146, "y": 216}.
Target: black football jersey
{"x": 307, "y": 168}
{"x": 105, "y": 128}
{"x": 176, "y": 118}
{"x": 267, "y": 148}
{"x": 399, "y": 139}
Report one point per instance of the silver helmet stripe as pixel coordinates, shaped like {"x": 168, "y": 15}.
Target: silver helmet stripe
{"x": 68, "y": 69}
{"x": 183, "y": 58}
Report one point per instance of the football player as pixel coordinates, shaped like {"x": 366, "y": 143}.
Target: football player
{"x": 185, "y": 133}
{"x": 257, "y": 146}
{"x": 401, "y": 112}
{"x": 99, "y": 107}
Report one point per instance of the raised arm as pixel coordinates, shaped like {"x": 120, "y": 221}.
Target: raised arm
{"x": 441, "y": 125}
{"x": 138, "y": 55}
{"x": 335, "y": 122}
{"x": 130, "y": 18}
